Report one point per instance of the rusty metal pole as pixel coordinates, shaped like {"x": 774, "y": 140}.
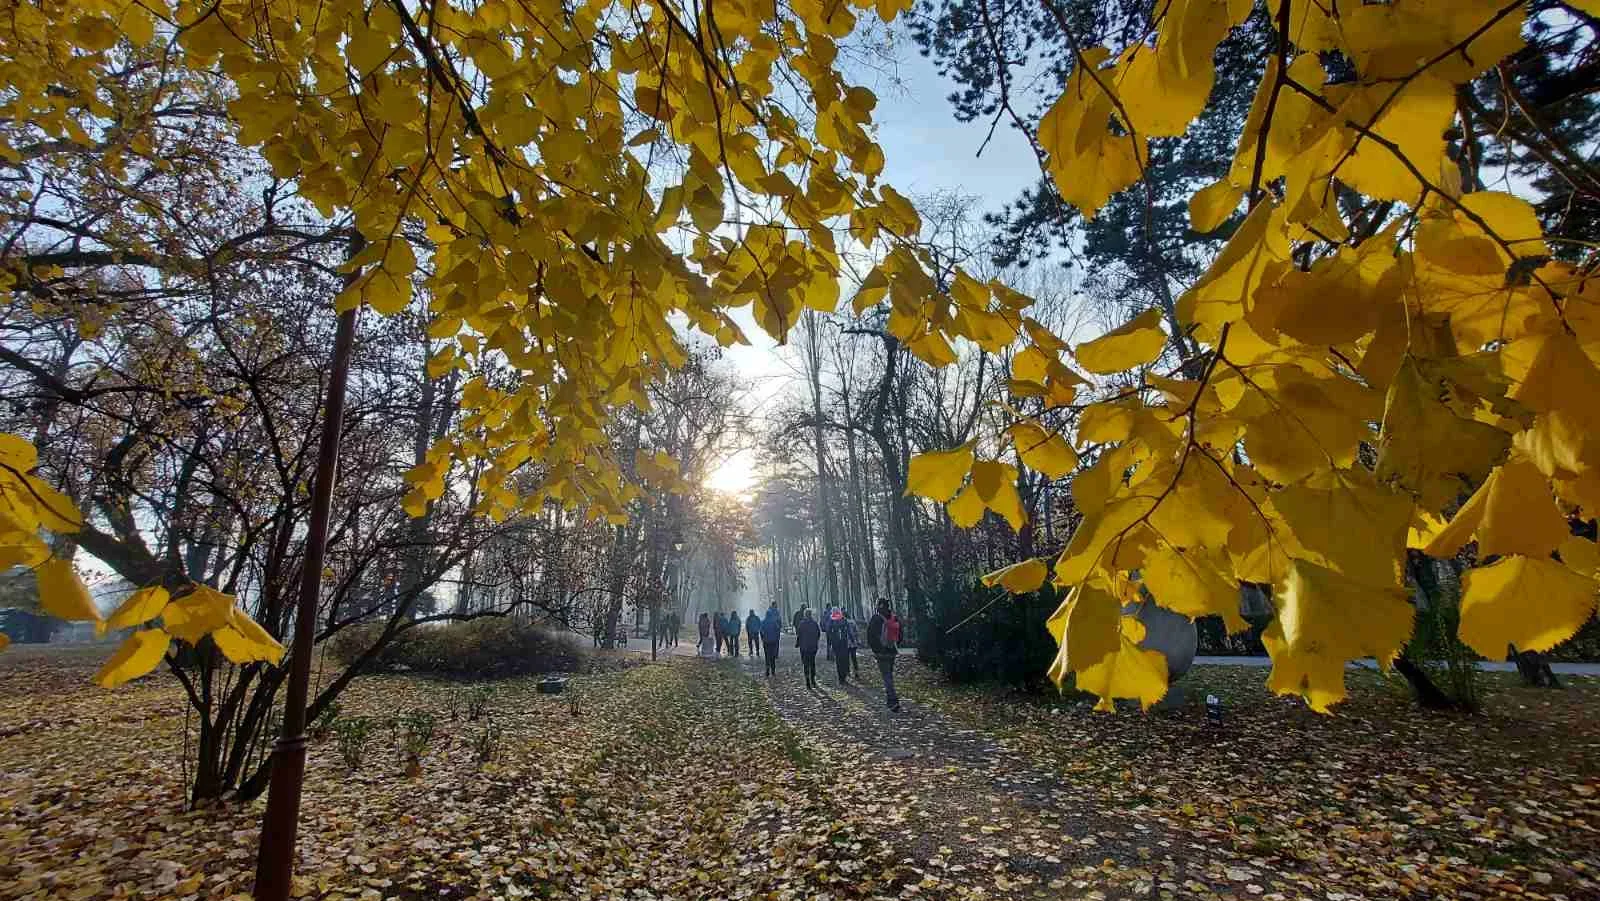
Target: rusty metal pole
{"x": 275, "y": 857}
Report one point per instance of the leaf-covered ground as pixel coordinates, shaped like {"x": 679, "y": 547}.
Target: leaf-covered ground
{"x": 698, "y": 780}
{"x": 1380, "y": 800}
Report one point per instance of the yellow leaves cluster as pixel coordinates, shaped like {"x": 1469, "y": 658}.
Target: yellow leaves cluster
{"x": 940, "y": 475}
{"x": 527, "y": 212}
{"x": 29, "y": 507}
{"x": 1146, "y": 92}
{"x": 1444, "y": 339}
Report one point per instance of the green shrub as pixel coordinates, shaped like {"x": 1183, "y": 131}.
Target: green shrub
{"x": 323, "y": 726}
{"x": 477, "y": 703}
{"x": 1434, "y": 645}
{"x": 491, "y": 647}
{"x": 353, "y": 733}
{"x": 978, "y": 634}
{"x": 416, "y": 733}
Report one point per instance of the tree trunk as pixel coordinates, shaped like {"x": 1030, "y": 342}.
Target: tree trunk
{"x": 830, "y": 544}
{"x": 1428, "y": 694}
{"x": 1533, "y": 668}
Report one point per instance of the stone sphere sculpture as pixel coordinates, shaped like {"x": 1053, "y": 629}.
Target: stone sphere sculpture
{"x": 1172, "y": 634}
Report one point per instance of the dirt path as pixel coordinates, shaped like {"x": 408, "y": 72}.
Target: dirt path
{"x": 983, "y": 820}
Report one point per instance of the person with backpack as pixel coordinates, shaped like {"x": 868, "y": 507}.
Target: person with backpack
{"x": 883, "y": 638}
{"x": 807, "y": 634}
{"x": 839, "y": 643}
{"x": 733, "y": 633}
{"x": 771, "y": 632}
{"x": 752, "y": 632}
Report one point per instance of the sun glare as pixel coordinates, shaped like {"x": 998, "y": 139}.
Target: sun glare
{"x": 735, "y": 475}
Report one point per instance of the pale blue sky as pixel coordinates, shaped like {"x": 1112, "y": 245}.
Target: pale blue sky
{"x": 925, "y": 150}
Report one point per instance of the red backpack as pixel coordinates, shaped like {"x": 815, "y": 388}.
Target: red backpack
{"x": 891, "y": 630}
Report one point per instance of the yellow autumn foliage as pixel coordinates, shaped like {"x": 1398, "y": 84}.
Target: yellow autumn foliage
{"x": 1453, "y": 344}
{"x": 200, "y": 613}
{"x": 1442, "y": 335}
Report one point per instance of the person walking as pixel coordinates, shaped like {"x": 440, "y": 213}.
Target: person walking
{"x": 752, "y": 632}
{"x": 795, "y": 621}
{"x": 852, "y": 643}
{"x": 806, "y": 636}
{"x": 705, "y": 635}
{"x": 883, "y": 638}
{"x": 674, "y": 623}
{"x": 733, "y": 632}
{"x": 719, "y": 629}
{"x": 826, "y": 624}
{"x": 839, "y": 643}
{"x": 771, "y": 631}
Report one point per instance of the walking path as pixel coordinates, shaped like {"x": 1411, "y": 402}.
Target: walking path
{"x": 983, "y": 821}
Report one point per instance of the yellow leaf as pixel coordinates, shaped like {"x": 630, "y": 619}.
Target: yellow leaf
{"x": 1534, "y": 603}
{"x": 1512, "y": 512}
{"x": 1008, "y": 503}
{"x": 937, "y": 475}
{"x": 5, "y": 641}
{"x": 1580, "y": 555}
{"x": 1347, "y": 523}
{"x": 1087, "y": 161}
{"x": 367, "y": 49}
{"x": 1426, "y": 448}
{"x": 1201, "y": 509}
{"x": 989, "y": 477}
{"x": 1045, "y": 452}
{"x": 197, "y": 614}
{"x": 142, "y": 606}
{"x": 1110, "y": 528}
{"x": 20, "y": 545}
{"x": 62, "y": 594}
{"x": 1326, "y": 620}
{"x": 1019, "y": 578}
{"x": 1563, "y": 386}
{"x": 51, "y": 509}
{"x": 1135, "y": 343}
{"x": 967, "y": 509}
{"x": 1189, "y": 583}
{"x": 1260, "y": 243}
{"x": 17, "y": 453}
{"x": 1100, "y": 647}
{"x": 243, "y": 640}
{"x": 138, "y": 654}
{"x": 1213, "y": 204}
{"x": 1414, "y": 115}
{"x": 1366, "y": 279}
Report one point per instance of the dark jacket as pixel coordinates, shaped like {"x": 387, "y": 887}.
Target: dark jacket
{"x": 705, "y": 625}
{"x": 772, "y": 626}
{"x": 795, "y": 620}
{"x": 875, "y": 632}
{"x": 719, "y": 625}
{"x": 807, "y": 634}
{"x": 752, "y": 623}
{"x": 838, "y": 632}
